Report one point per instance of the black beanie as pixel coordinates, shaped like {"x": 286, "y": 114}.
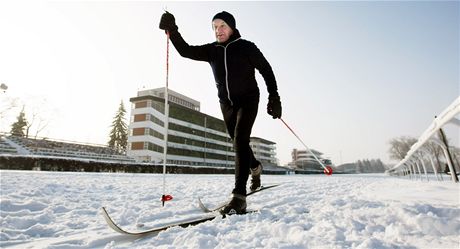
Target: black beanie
{"x": 227, "y": 17}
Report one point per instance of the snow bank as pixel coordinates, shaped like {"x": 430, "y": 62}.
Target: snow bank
{"x": 62, "y": 210}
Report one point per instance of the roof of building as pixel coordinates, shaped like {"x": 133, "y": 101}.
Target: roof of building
{"x": 265, "y": 141}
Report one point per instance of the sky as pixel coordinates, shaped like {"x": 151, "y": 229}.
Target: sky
{"x": 351, "y": 74}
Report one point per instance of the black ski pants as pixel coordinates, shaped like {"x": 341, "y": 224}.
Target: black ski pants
{"x": 239, "y": 119}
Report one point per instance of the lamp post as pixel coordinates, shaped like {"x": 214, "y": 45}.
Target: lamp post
{"x": 3, "y": 87}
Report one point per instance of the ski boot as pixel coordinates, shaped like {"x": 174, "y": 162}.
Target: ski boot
{"x": 255, "y": 177}
{"x": 237, "y": 205}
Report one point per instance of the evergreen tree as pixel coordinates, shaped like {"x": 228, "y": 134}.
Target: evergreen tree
{"x": 17, "y": 129}
{"x": 366, "y": 166}
{"x": 380, "y": 166}
{"x": 359, "y": 167}
{"x": 119, "y": 133}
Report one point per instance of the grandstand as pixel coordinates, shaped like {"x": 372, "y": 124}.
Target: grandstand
{"x": 15, "y": 145}
{"x": 20, "y": 153}
{"x": 6, "y": 148}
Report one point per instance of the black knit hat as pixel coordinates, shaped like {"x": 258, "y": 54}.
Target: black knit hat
{"x": 227, "y": 17}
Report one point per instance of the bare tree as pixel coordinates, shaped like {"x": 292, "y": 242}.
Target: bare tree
{"x": 400, "y": 146}
{"x": 39, "y": 116}
{"x": 435, "y": 150}
{"x": 37, "y": 121}
{"x": 456, "y": 156}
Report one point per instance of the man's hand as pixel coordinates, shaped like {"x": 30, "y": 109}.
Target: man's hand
{"x": 168, "y": 22}
{"x": 274, "y": 106}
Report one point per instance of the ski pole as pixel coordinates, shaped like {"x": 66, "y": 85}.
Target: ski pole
{"x": 166, "y": 197}
{"x": 327, "y": 169}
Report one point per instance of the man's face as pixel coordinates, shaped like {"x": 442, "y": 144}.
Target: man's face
{"x": 221, "y": 30}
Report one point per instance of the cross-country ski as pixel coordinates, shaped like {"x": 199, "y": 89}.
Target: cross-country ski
{"x": 183, "y": 223}
{"x": 152, "y": 231}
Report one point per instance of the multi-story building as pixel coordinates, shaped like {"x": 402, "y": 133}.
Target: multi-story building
{"x": 303, "y": 159}
{"x": 194, "y": 138}
{"x": 264, "y": 150}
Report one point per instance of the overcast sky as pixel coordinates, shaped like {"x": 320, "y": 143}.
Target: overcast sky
{"x": 351, "y": 75}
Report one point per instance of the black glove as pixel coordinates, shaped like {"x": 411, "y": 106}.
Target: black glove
{"x": 168, "y": 22}
{"x": 274, "y": 106}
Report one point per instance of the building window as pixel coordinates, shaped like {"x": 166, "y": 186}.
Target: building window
{"x": 141, "y": 104}
{"x": 139, "y": 117}
{"x": 155, "y": 120}
{"x": 137, "y": 145}
{"x": 138, "y": 131}
{"x": 155, "y": 134}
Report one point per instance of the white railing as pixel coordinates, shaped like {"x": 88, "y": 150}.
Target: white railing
{"x": 417, "y": 153}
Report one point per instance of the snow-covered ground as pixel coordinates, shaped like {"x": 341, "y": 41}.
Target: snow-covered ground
{"x": 63, "y": 210}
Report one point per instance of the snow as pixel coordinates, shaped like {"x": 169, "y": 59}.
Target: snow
{"x": 63, "y": 210}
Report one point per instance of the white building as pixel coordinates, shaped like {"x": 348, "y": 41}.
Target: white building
{"x": 303, "y": 159}
{"x": 264, "y": 151}
{"x": 194, "y": 138}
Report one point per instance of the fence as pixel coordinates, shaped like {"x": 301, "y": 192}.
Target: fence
{"x": 417, "y": 154}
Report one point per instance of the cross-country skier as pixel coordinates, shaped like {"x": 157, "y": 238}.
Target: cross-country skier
{"x": 233, "y": 61}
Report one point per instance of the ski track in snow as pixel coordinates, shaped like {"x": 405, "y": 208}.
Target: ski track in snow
{"x": 63, "y": 210}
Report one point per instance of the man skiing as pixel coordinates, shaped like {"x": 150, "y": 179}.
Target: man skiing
{"x": 233, "y": 61}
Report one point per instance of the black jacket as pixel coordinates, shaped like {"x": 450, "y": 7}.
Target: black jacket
{"x": 233, "y": 64}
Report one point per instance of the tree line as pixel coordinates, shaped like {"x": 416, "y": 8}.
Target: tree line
{"x": 363, "y": 166}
